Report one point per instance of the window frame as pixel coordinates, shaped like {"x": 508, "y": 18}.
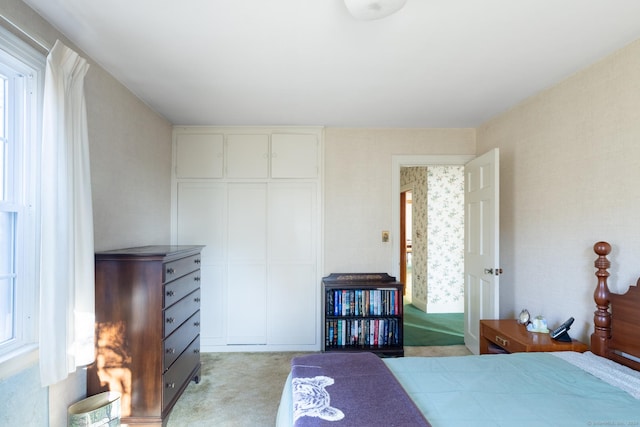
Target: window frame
{"x": 21, "y": 352}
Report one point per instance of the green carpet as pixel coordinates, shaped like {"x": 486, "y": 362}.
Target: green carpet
{"x": 422, "y": 329}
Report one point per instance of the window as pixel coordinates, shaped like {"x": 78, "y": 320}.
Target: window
{"x": 21, "y": 82}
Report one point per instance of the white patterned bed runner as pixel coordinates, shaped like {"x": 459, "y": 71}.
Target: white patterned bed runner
{"x": 607, "y": 370}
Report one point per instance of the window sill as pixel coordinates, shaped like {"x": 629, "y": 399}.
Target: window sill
{"x": 18, "y": 360}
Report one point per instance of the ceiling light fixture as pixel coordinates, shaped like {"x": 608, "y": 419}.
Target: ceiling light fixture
{"x": 368, "y": 10}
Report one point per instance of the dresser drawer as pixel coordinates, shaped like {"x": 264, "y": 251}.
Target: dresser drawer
{"x": 180, "y": 267}
{"x": 178, "y": 374}
{"x": 503, "y": 341}
{"x": 175, "y": 344}
{"x": 175, "y": 315}
{"x": 176, "y": 290}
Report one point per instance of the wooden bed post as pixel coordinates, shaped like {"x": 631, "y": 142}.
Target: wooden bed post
{"x": 601, "y": 317}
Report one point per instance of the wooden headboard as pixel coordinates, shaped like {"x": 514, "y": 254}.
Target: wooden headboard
{"x": 616, "y": 320}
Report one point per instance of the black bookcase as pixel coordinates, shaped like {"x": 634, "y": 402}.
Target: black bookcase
{"x": 362, "y": 312}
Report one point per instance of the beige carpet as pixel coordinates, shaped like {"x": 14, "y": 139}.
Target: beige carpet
{"x": 244, "y": 389}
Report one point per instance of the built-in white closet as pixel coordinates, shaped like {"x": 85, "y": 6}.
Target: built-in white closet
{"x": 252, "y": 196}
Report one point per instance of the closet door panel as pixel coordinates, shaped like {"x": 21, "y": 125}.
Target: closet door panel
{"x": 292, "y": 304}
{"x": 247, "y": 222}
{"x": 201, "y": 214}
{"x": 293, "y": 224}
{"x": 212, "y": 305}
{"x": 246, "y": 307}
{"x": 294, "y": 156}
{"x": 199, "y": 155}
{"x": 201, "y": 217}
{"x": 247, "y": 264}
{"x": 293, "y": 229}
{"x": 247, "y": 156}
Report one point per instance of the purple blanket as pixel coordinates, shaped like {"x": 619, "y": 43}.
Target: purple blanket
{"x": 349, "y": 389}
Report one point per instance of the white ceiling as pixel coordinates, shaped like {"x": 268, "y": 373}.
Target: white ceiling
{"x": 435, "y": 63}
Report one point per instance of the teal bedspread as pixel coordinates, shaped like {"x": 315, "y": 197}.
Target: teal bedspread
{"x": 524, "y": 389}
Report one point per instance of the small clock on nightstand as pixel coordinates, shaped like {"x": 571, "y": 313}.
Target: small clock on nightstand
{"x": 525, "y": 317}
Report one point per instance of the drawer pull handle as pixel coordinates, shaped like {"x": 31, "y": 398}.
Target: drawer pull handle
{"x": 197, "y": 260}
{"x": 170, "y": 385}
{"x": 197, "y": 278}
{"x": 170, "y": 271}
{"x": 170, "y": 320}
{"x": 170, "y": 293}
{"x": 502, "y": 341}
{"x": 170, "y": 350}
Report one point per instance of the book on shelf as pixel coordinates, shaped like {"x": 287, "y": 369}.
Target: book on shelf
{"x": 373, "y": 302}
{"x": 361, "y": 333}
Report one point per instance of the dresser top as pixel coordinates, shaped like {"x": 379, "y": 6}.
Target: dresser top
{"x": 151, "y": 251}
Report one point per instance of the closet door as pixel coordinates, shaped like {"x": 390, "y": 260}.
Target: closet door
{"x": 201, "y": 219}
{"x": 292, "y": 287}
{"x": 294, "y": 156}
{"x": 251, "y": 196}
{"x": 247, "y": 264}
{"x": 199, "y": 155}
{"x": 247, "y": 156}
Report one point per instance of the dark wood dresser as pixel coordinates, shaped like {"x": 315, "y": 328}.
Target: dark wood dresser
{"x": 147, "y": 328}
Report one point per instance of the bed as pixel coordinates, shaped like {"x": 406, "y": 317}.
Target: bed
{"x": 596, "y": 388}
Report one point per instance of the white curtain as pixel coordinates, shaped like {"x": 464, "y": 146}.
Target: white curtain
{"x": 67, "y": 308}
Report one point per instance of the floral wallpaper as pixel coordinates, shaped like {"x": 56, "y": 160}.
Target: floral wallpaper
{"x": 437, "y": 237}
{"x": 416, "y": 177}
{"x": 445, "y": 238}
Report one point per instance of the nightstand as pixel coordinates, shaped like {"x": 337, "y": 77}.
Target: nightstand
{"x": 508, "y": 336}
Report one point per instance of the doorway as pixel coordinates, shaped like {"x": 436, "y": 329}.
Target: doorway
{"x": 398, "y": 162}
{"x": 433, "y": 222}
{"x": 406, "y": 223}
{"x": 421, "y": 326}
{"x": 482, "y": 299}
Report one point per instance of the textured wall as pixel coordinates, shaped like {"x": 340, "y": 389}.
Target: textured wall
{"x": 130, "y": 151}
{"x": 22, "y": 401}
{"x": 130, "y": 166}
{"x": 357, "y": 188}
{"x": 570, "y": 174}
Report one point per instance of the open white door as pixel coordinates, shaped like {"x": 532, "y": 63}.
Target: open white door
{"x": 482, "y": 232}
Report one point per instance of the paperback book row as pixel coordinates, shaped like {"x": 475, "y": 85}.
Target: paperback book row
{"x": 362, "y": 302}
{"x": 364, "y": 333}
